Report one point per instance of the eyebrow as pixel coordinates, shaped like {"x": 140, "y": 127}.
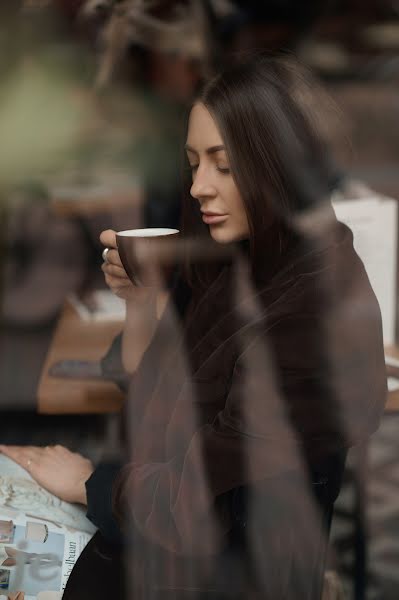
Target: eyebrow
{"x": 210, "y": 150}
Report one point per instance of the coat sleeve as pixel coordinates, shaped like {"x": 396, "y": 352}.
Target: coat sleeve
{"x": 175, "y": 503}
{"x": 112, "y": 367}
{"x": 99, "y": 500}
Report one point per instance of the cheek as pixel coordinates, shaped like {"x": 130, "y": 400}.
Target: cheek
{"x": 239, "y": 209}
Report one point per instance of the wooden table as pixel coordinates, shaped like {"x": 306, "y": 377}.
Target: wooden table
{"x": 75, "y": 338}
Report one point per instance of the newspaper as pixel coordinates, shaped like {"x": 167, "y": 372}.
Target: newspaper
{"x": 41, "y": 537}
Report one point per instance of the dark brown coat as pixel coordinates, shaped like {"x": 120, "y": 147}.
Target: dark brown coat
{"x": 264, "y": 384}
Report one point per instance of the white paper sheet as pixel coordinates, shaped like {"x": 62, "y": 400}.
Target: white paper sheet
{"x": 373, "y": 221}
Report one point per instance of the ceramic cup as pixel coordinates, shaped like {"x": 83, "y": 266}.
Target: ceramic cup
{"x": 147, "y": 254}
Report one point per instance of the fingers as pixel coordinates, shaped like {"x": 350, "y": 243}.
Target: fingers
{"x": 115, "y": 275}
{"x": 114, "y": 281}
{"x": 16, "y": 453}
{"x": 29, "y": 456}
{"x": 114, "y": 270}
{"x": 17, "y": 596}
{"x": 24, "y": 456}
{"x": 118, "y": 285}
{"x": 113, "y": 258}
{"x": 108, "y": 238}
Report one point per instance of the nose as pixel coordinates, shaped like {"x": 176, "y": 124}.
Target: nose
{"x": 202, "y": 186}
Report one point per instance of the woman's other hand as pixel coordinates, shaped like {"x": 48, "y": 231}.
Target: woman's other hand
{"x": 55, "y": 468}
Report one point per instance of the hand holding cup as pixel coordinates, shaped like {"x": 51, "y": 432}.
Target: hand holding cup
{"x": 148, "y": 255}
{"x": 137, "y": 260}
{"x": 115, "y": 275}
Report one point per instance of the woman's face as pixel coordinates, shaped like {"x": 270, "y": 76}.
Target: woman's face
{"x": 213, "y": 186}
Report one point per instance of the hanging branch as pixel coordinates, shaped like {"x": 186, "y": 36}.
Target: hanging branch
{"x": 180, "y": 27}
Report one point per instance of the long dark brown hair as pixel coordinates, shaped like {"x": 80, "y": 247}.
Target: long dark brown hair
{"x": 278, "y": 159}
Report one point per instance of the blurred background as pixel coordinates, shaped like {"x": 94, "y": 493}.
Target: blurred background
{"x": 93, "y": 96}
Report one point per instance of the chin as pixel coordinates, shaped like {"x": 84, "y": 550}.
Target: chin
{"x": 221, "y": 237}
{"x": 224, "y": 236}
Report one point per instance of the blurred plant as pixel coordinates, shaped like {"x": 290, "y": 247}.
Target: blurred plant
{"x": 171, "y": 26}
{"x": 41, "y": 118}
{"x": 45, "y": 104}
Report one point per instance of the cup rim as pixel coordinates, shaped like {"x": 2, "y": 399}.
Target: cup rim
{"x": 147, "y": 232}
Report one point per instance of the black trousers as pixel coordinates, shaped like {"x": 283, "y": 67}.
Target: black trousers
{"x": 99, "y": 572}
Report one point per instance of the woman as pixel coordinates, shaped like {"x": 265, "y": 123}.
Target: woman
{"x": 266, "y": 365}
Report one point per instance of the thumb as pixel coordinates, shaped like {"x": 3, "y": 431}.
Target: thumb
{"x": 108, "y": 238}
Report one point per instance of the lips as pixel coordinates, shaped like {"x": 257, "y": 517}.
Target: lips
{"x": 213, "y": 218}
